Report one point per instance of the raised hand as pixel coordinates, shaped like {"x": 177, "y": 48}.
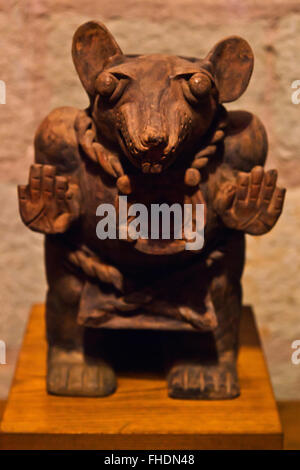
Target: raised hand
{"x": 48, "y": 204}
{"x": 252, "y": 204}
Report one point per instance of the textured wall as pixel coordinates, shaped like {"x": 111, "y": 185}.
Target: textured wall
{"x": 35, "y": 63}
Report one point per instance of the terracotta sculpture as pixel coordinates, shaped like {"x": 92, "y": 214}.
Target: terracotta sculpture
{"x": 156, "y": 130}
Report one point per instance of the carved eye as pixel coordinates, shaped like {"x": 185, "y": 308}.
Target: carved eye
{"x": 200, "y": 85}
{"x": 106, "y": 84}
{"x": 196, "y": 87}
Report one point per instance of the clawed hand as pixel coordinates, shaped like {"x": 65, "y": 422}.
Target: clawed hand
{"x": 253, "y": 204}
{"x": 48, "y": 203}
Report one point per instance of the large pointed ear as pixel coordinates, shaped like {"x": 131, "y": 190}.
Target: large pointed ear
{"x": 93, "y": 46}
{"x": 231, "y": 61}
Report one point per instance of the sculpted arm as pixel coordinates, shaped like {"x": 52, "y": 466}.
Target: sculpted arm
{"x": 248, "y": 197}
{"x": 50, "y": 202}
{"x": 251, "y": 202}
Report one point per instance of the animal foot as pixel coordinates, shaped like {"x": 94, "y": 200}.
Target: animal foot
{"x": 192, "y": 381}
{"x": 72, "y": 374}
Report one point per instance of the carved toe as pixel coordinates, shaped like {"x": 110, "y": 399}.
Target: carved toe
{"x": 74, "y": 375}
{"x": 192, "y": 381}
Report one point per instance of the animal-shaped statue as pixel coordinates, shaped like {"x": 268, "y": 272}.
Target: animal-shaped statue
{"x": 156, "y": 131}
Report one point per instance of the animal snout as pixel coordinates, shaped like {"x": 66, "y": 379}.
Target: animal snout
{"x": 153, "y": 137}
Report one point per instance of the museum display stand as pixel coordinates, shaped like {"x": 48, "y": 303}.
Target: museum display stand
{"x": 140, "y": 415}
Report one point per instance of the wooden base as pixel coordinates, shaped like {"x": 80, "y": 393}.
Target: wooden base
{"x": 139, "y": 415}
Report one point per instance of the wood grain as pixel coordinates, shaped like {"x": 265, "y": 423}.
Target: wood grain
{"x": 140, "y": 415}
{"x": 2, "y": 407}
{"x": 290, "y": 417}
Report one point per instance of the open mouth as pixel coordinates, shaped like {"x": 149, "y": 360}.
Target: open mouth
{"x": 153, "y": 161}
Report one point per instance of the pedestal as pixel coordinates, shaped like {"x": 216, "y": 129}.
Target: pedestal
{"x": 140, "y": 415}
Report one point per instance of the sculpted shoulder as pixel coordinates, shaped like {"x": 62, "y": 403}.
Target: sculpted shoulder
{"x": 246, "y": 143}
{"x": 56, "y": 140}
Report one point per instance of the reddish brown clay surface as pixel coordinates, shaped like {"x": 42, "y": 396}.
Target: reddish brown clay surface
{"x": 156, "y": 131}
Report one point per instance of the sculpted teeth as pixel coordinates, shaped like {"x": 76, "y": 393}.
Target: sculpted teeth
{"x": 157, "y": 168}
{"x": 147, "y": 167}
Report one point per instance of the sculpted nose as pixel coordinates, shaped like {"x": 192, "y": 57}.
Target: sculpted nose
{"x": 152, "y": 137}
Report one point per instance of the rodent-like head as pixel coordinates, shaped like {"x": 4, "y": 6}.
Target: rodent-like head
{"x": 151, "y": 105}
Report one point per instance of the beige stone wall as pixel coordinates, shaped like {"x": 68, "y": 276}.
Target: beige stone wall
{"x": 35, "y": 63}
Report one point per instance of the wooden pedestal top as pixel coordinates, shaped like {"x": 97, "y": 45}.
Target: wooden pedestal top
{"x": 139, "y": 415}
